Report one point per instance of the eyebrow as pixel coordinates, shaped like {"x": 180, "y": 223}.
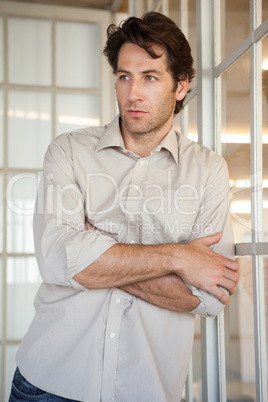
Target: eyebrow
{"x": 151, "y": 71}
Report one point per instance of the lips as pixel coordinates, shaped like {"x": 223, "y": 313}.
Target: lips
{"x": 136, "y": 113}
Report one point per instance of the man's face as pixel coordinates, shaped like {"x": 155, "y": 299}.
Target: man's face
{"x": 145, "y": 92}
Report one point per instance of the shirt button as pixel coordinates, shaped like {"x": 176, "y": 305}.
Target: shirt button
{"x": 132, "y": 242}
{"x": 117, "y": 300}
{"x": 112, "y": 335}
{"x": 141, "y": 162}
{"x": 131, "y": 216}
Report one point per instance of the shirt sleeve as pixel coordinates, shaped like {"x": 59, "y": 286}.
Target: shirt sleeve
{"x": 63, "y": 245}
{"x": 214, "y": 217}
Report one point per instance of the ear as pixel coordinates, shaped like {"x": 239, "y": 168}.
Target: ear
{"x": 182, "y": 89}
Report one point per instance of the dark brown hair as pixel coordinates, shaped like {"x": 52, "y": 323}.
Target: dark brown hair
{"x": 153, "y": 28}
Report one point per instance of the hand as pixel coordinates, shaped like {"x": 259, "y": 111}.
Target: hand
{"x": 207, "y": 270}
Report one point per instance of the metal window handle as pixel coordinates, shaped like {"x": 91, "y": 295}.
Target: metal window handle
{"x": 251, "y": 248}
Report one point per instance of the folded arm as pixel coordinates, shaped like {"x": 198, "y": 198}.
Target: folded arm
{"x": 140, "y": 270}
{"x": 168, "y": 291}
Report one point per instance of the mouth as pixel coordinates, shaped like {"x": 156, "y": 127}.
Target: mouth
{"x": 136, "y": 113}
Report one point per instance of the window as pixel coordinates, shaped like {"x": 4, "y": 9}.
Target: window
{"x": 52, "y": 79}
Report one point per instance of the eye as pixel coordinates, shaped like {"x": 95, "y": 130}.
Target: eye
{"x": 150, "y": 78}
{"x": 124, "y": 77}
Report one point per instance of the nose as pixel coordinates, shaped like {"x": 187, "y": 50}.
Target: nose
{"x": 135, "y": 91}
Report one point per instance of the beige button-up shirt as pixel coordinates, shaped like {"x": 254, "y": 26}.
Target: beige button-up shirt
{"x": 105, "y": 344}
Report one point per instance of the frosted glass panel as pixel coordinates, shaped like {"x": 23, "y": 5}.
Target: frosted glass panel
{"x": 239, "y": 318}
{"x": 1, "y": 50}
{"x": 29, "y": 60}
{"x": 264, "y": 10}
{"x": 77, "y": 54}
{"x": 20, "y": 197}
{"x": 11, "y": 351}
{"x": 76, "y": 111}
{"x": 23, "y": 280}
{"x": 1, "y": 310}
{"x": 1, "y": 212}
{"x": 1, "y": 373}
{"x": 1, "y": 127}
{"x": 192, "y": 124}
{"x": 239, "y": 339}
{"x": 235, "y": 22}
{"x": 30, "y": 128}
{"x": 189, "y": 110}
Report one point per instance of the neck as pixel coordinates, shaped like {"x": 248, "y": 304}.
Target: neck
{"x": 142, "y": 144}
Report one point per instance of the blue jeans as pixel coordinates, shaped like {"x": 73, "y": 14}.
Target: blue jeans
{"x": 22, "y": 391}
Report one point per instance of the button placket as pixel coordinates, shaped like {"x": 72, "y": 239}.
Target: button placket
{"x": 116, "y": 309}
{"x": 135, "y": 200}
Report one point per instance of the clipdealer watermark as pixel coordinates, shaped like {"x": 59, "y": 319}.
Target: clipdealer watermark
{"x": 174, "y": 227}
{"x": 67, "y": 200}
{"x": 21, "y": 189}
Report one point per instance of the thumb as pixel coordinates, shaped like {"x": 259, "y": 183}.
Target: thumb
{"x": 210, "y": 240}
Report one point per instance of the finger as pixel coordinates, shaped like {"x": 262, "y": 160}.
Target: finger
{"x": 229, "y": 285}
{"x": 231, "y": 264}
{"x": 232, "y": 276}
{"x": 220, "y": 295}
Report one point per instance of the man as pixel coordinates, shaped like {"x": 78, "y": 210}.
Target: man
{"x": 132, "y": 236}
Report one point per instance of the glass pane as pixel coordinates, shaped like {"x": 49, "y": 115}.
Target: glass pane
{"x": 191, "y": 110}
{"x": 265, "y": 265}
{"x": 192, "y": 135}
{"x": 265, "y": 171}
{"x": 1, "y": 212}
{"x": 196, "y": 361}
{"x": 29, "y": 42}
{"x": 239, "y": 319}
{"x": 174, "y": 13}
{"x": 23, "y": 280}
{"x": 195, "y": 372}
{"x": 1, "y": 49}
{"x": 1, "y": 127}
{"x": 265, "y": 88}
{"x": 20, "y": 196}
{"x": 239, "y": 337}
{"x": 192, "y": 34}
{"x": 236, "y": 24}
{"x": 76, "y": 111}
{"x": 236, "y": 113}
{"x": 265, "y": 134}
{"x": 30, "y": 128}
{"x": 1, "y": 310}
{"x": 11, "y": 351}
{"x": 1, "y": 373}
{"x": 264, "y": 10}
{"x": 77, "y": 54}
{"x": 177, "y": 120}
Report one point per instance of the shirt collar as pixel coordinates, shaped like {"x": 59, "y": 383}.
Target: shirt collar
{"x": 170, "y": 142}
{"x": 112, "y": 138}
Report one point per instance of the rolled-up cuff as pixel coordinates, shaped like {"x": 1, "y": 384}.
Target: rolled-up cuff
{"x": 82, "y": 250}
{"x": 200, "y": 310}
{"x": 209, "y": 305}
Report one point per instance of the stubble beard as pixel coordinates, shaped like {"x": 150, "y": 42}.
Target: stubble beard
{"x": 138, "y": 128}
{"x": 142, "y": 129}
